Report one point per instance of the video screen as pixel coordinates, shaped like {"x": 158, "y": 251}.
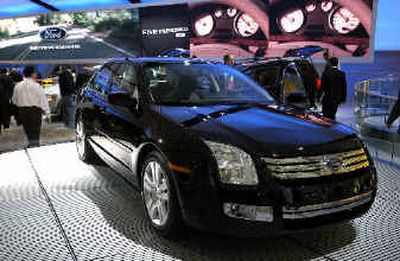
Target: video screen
{"x": 209, "y": 29}
{"x": 70, "y": 37}
{"x": 274, "y": 28}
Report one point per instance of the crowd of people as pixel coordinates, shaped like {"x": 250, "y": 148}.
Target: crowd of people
{"x": 23, "y": 97}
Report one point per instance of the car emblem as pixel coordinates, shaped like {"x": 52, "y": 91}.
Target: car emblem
{"x": 53, "y": 33}
{"x": 333, "y": 163}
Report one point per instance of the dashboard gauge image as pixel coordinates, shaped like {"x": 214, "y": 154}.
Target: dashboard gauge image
{"x": 292, "y": 21}
{"x": 204, "y": 25}
{"x": 219, "y": 13}
{"x": 344, "y": 21}
{"x": 326, "y": 5}
{"x": 311, "y": 7}
{"x": 232, "y": 12}
{"x": 245, "y": 25}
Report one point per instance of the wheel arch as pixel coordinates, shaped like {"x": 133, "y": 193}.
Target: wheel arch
{"x": 141, "y": 155}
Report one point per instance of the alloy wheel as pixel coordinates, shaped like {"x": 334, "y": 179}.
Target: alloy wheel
{"x": 156, "y": 193}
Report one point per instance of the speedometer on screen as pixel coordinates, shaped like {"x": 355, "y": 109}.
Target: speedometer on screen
{"x": 292, "y": 21}
{"x": 204, "y": 25}
{"x": 344, "y": 21}
{"x": 246, "y": 26}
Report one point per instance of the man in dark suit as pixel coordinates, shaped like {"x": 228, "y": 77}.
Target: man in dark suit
{"x": 334, "y": 89}
{"x": 394, "y": 114}
{"x": 6, "y": 91}
{"x": 68, "y": 93}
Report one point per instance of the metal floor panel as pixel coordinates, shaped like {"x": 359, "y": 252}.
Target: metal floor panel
{"x": 60, "y": 169}
{"x": 34, "y": 237}
{"x": 108, "y": 223}
{"x": 102, "y": 219}
{"x": 17, "y": 179}
{"x": 22, "y": 208}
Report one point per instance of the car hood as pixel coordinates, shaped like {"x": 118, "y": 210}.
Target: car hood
{"x": 258, "y": 127}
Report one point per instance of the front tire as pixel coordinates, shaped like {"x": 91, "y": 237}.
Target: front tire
{"x": 84, "y": 149}
{"x": 159, "y": 196}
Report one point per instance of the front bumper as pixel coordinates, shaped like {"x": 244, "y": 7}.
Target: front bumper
{"x": 294, "y": 205}
{"x": 283, "y": 222}
{"x": 311, "y": 211}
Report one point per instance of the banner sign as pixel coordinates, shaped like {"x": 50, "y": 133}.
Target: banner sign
{"x": 70, "y": 37}
{"x": 165, "y": 28}
{"x": 275, "y": 28}
{"x": 245, "y": 28}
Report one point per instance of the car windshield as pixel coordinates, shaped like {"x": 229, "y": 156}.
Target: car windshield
{"x": 202, "y": 84}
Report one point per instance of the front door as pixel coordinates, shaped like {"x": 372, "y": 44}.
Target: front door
{"x": 125, "y": 123}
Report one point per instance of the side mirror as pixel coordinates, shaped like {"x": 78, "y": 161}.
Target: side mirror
{"x": 122, "y": 99}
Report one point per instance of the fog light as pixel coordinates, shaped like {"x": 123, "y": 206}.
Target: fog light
{"x": 255, "y": 213}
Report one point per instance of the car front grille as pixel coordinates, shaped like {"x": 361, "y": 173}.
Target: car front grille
{"x": 317, "y": 166}
{"x": 327, "y": 207}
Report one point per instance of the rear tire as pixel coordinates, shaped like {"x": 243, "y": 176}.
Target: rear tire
{"x": 159, "y": 197}
{"x": 83, "y": 147}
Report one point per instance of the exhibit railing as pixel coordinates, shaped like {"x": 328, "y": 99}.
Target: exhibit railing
{"x": 373, "y": 102}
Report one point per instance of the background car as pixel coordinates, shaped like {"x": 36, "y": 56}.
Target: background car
{"x": 208, "y": 148}
{"x": 292, "y": 81}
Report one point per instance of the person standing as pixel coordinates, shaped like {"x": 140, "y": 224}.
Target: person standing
{"x": 6, "y": 90}
{"x": 68, "y": 94}
{"x": 334, "y": 88}
{"x": 229, "y": 59}
{"x": 15, "y": 77}
{"x": 31, "y": 101}
{"x": 395, "y": 113}
{"x": 82, "y": 78}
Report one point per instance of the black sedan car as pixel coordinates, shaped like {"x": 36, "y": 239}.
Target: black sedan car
{"x": 208, "y": 148}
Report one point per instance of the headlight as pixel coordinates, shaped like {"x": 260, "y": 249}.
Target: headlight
{"x": 235, "y": 166}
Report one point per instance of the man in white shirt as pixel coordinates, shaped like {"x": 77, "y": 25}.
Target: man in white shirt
{"x": 31, "y": 101}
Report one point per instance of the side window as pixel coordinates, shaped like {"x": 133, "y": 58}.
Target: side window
{"x": 160, "y": 82}
{"x": 129, "y": 81}
{"x": 102, "y": 79}
{"x": 293, "y": 86}
{"x": 117, "y": 70}
{"x": 267, "y": 77}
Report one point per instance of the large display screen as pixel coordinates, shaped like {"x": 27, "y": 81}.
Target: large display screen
{"x": 70, "y": 37}
{"x": 164, "y": 28}
{"x": 273, "y": 28}
{"x": 245, "y": 28}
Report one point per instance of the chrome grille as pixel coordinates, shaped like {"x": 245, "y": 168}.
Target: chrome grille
{"x": 317, "y": 166}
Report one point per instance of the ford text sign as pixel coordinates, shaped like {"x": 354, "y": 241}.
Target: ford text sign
{"x": 53, "y": 33}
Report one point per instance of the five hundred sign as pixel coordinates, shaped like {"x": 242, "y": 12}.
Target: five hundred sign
{"x": 53, "y": 33}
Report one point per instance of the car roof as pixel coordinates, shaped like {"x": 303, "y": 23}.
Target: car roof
{"x": 258, "y": 61}
{"x": 159, "y": 60}
{"x": 248, "y": 64}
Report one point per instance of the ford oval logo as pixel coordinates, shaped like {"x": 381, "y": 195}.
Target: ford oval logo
{"x": 332, "y": 162}
{"x": 53, "y": 33}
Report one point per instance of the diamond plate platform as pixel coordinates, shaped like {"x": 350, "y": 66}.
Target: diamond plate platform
{"x": 57, "y": 208}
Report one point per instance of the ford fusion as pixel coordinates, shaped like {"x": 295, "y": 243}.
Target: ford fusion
{"x": 210, "y": 149}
